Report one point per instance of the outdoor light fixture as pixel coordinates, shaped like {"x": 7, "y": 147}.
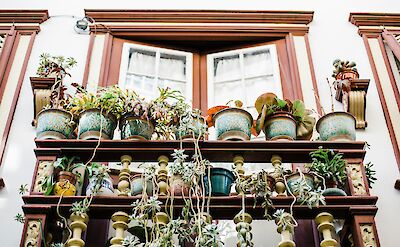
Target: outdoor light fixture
{"x": 82, "y": 25}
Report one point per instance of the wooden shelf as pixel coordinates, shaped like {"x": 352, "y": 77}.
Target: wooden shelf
{"x": 215, "y": 151}
{"x": 220, "y": 207}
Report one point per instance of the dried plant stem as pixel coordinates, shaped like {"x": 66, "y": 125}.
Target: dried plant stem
{"x": 330, "y": 90}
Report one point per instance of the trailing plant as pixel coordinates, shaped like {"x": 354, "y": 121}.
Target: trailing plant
{"x": 328, "y": 164}
{"x": 343, "y": 66}
{"x": 192, "y": 123}
{"x": 370, "y": 173}
{"x": 132, "y": 241}
{"x": 285, "y": 220}
{"x": 97, "y": 173}
{"x": 180, "y": 167}
{"x": 57, "y": 245}
{"x": 81, "y": 208}
{"x": 210, "y": 235}
{"x": 268, "y": 104}
{"x": 306, "y": 194}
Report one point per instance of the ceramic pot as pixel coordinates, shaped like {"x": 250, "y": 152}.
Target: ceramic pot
{"x": 54, "y": 124}
{"x": 135, "y": 128}
{"x": 66, "y": 184}
{"x": 292, "y": 178}
{"x": 177, "y": 186}
{"x": 337, "y": 126}
{"x": 90, "y": 122}
{"x": 332, "y": 189}
{"x": 221, "y": 181}
{"x": 137, "y": 186}
{"x": 233, "y": 124}
{"x": 198, "y": 123}
{"x": 106, "y": 188}
{"x": 280, "y": 126}
{"x": 347, "y": 75}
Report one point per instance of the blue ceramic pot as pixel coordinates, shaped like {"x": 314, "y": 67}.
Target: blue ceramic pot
{"x": 280, "y": 126}
{"x": 187, "y": 134}
{"x": 221, "y": 181}
{"x": 54, "y": 124}
{"x": 337, "y": 126}
{"x": 90, "y": 123}
{"x": 137, "y": 186}
{"x": 233, "y": 124}
{"x": 135, "y": 128}
{"x": 295, "y": 177}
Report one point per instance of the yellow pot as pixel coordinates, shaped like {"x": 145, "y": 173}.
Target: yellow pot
{"x": 64, "y": 188}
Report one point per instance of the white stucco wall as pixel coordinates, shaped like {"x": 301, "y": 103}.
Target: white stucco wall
{"x": 330, "y": 20}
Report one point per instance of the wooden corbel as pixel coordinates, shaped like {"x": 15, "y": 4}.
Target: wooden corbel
{"x": 41, "y": 88}
{"x": 352, "y": 93}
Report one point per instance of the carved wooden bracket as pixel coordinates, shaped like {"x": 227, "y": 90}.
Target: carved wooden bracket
{"x": 41, "y": 88}
{"x": 352, "y": 93}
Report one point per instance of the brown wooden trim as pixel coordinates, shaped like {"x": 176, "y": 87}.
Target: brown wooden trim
{"x": 313, "y": 77}
{"x": 105, "y": 60}
{"x": 296, "y": 82}
{"x": 383, "y": 101}
{"x": 23, "y": 16}
{"x": 392, "y": 43}
{"x": 38, "y": 160}
{"x": 115, "y": 61}
{"x": 374, "y": 19}
{"x": 201, "y": 16}
{"x": 42, "y": 219}
{"x": 7, "y": 58}
{"x": 196, "y": 94}
{"x": 357, "y": 235}
{"x": 88, "y": 59}
{"x": 390, "y": 72}
{"x": 203, "y": 83}
{"x": 15, "y": 98}
{"x": 8, "y": 65}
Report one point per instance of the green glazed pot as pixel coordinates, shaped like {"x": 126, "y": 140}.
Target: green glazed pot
{"x": 233, "y": 124}
{"x": 137, "y": 186}
{"x": 292, "y": 178}
{"x": 280, "y": 126}
{"x": 135, "y": 128}
{"x": 337, "y": 126}
{"x": 221, "y": 181}
{"x": 90, "y": 122}
{"x": 54, "y": 124}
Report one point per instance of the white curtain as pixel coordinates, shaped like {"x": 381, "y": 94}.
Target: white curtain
{"x": 257, "y": 63}
{"x": 227, "y": 68}
{"x": 172, "y": 68}
{"x": 142, "y": 63}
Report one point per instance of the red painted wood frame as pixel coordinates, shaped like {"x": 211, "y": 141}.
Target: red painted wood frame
{"x": 231, "y": 36}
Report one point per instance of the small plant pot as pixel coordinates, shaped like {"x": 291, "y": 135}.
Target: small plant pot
{"x": 137, "y": 185}
{"x": 65, "y": 185}
{"x": 106, "y": 188}
{"x": 337, "y": 126}
{"x": 197, "y": 123}
{"x": 54, "y": 124}
{"x": 135, "y": 128}
{"x": 178, "y": 187}
{"x": 347, "y": 75}
{"x": 221, "y": 182}
{"x": 233, "y": 124}
{"x": 292, "y": 178}
{"x": 161, "y": 219}
{"x": 280, "y": 126}
{"x": 92, "y": 121}
{"x": 332, "y": 189}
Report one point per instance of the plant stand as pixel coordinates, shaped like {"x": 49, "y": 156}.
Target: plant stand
{"x": 280, "y": 186}
{"x": 123, "y": 184}
{"x": 121, "y": 221}
{"x": 162, "y": 177}
{"x": 325, "y": 226}
{"x": 238, "y": 162}
{"x": 78, "y": 226}
{"x": 243, "y": 223}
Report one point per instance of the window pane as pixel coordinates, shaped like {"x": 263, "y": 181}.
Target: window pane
{"x": 142, "y": 62}
{"x": 172, "y": 67}
{"x": 225, "y": 91}
{"x": 257, "y": 63}
{"x": 226, "y": 68}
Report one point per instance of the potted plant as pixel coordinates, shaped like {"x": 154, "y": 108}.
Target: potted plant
{"x": 132, "y": 241}
{"x": 98, "y": 113}
{"x": 344, "y": 70}
{"x": 231, "y": 123}
{"x": 100, "y": 182}
{"x": 286, "y": 224}
{"x": 336, "y": 126}
{"x": 221, "y": 181}
{"x": 306, "y": 194}
{"x": 191, "y": 125}
{"x": 182, "y": 173}
{"x": 243, "y": 227}
{"x": 282, "y": 119}
{"x": 53, "y": 122}
{"x": 145, "y": 183}
{"x": 332, "y": 167}
{"x": 79, "y": 219}
{"x": 65, "y": 175}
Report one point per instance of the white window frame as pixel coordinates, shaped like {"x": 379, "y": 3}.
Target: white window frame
{"x": 189, "y": 65}
{"x": 210, "y": 68}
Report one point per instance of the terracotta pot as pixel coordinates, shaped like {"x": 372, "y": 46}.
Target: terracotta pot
{"x": 337, "y": 126}
{"x": 135, "y": 128}
{"x": 332, "y": 189}
{"x": 280, "y": 126}
{"x": 54, "y": 124}
{"x": 64, "y": 176}
{"x": 177, "y": 186}
{"x": 233, "y": 124}
{"x": 347, "y": 75}
{"x": 90, "y": 123}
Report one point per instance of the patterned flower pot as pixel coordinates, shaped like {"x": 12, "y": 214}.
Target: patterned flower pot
{"x": 337, "y": 126}
{"x": 54, "y": 124}
{"x": 346, "y": 75}
{"x": 90, "y": 123}
{"x": 198, "y": 123}
{"x": 135, "y": 128}
{"x": 137, "y": 185}
{"x": 106, "y": 187}
{"x": 66, "y": 184}
{"x": 177, "y": 186}
{"x": 295, "y": 177}
{"x": 233, "y": 124}
{"x": 280, "y": 126}
{"x": 221, "y": 181}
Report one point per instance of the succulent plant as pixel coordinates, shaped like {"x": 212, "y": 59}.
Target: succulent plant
{"x": 19, "y": 218}
{"x": 329, "y": 165}
{"x": 370, "y": 173}
{"x": 192, "y": 123}
{"x": 97, "y": 173}
{"x": 132, "y": 241}
{"x": 23, "y": 189}
{"x": 307, "y": 195}
{"x": 285, "y": 220}
{"x": 80, "y": 208}
{"x": 54, "y": 65}
{"x": 342, "y": 66}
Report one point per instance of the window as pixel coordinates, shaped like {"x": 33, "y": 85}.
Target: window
{"x": 145, "y": 68}
{"x": 243, "y": 74}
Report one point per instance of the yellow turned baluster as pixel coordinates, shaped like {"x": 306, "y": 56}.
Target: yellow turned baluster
{"x": 121, "y": 221}
{"x": 123, "y": 184}
{"x": 243, "y": 221}
{"x": 280, "y": 187}
{"x": 286, "y": 234}
{"x": 238, "y": 162}
{"x": 78, "y": 225}
{"x": 325, "y": 226}
{"x": 162, "y": 177}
